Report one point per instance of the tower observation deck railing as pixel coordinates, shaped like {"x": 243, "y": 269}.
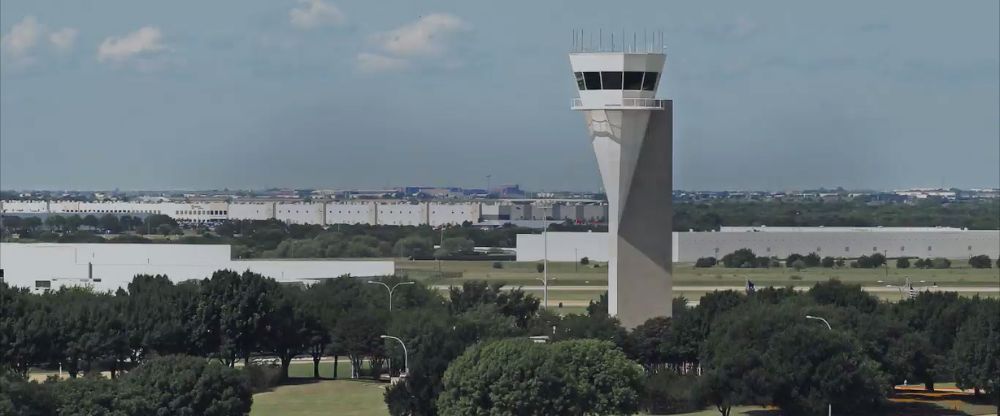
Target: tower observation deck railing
{"x": 625, "y": 104}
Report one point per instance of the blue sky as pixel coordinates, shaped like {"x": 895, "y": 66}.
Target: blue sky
{"x": 332, "y": 94}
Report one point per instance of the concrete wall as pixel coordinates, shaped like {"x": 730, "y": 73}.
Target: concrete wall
{"x": 299, "y": 212}
{"x": 402, "y": 214}
{"x": 116, "y": 264}
{"x": 351, "y": 213}
{"x": 689, "y": 246}
{"x": 563, "y": 246}
{"x": 448, "y": 214}
{"x": 251, "y": 210}
{"x": 341, "y": 212}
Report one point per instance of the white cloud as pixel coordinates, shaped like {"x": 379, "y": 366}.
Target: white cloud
{"x": 22, "y": 38}
{"x": 145, "y": 41}
{"x": 428, "y": 36}
{"x": 19, "y": 46}
{"x": 315, "y": 13}
{"x": 373, "y": 62}
{"x": 63, "y": 39}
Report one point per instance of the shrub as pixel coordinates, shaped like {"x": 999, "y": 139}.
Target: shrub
{"x": 795, "y": 277}
{"x": 585, "y": 260}
{"x": 828, "y": 262}
{"x": 705, "y": 262}
{"x": 566, "y": 377}
{"x": 263, "y": 376}
{"x": 540, "y": 267}
{"x": 841, "y": 262}
{"x": 497, "y": 265}
{"x": 743, "y": 257}
{"x": 903, "y": 263}
{"x": 811, "y": 260}
{"x": 175, "y": 385}
{"x": 792, "y": 258}
{"x": 940, "y": 263}
{"x": 798, "y": 264}
{"x": 981, "y": 261}
{"x": 668, "y": 393}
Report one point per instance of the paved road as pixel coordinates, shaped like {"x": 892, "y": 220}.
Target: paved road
{"x": 960, "y": 289}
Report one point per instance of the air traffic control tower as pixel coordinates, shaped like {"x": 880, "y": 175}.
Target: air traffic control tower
{"x": 632, "y": 135}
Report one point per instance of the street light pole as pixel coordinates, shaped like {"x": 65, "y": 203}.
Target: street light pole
{"x": 406, "y": 355}
{"x": 545, "y": 266}
{"x": 829, "y": 408}
{"x": 390, "y": 289}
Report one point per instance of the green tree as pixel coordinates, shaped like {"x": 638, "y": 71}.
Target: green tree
{"x": 56, "y": 222}
{"x": 90, "y": 221}
{"x": 110, "y": 223}
{"x": 413, "y": 246}
{"x": 976, "y": 354}
{"x": 491, "y": 378}
{"x": 903, "y": 263}
{"x": 743, "y": 257}
{"x": 828, "y": 262}
{"x": 232, "y": 313}
{"x": 182, "y": 385}
{"x": 981, "y": 261}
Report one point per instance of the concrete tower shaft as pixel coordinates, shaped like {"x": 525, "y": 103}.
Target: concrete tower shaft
{"x": 632, "y": 135}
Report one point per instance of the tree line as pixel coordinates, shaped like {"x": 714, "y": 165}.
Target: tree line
{"x": 746, "y": 258}
{"x": 708, "y": 216}
{"x": 731, "y": 349}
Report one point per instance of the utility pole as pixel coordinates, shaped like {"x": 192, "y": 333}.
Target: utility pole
{"x": 545, "y": 266}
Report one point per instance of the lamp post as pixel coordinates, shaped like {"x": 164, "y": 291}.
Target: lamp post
{"x": 829, "y": 408}
{"x": 390, "y": 289}
{"x": 545, "y": 266}
{"x": 406, "y": 356}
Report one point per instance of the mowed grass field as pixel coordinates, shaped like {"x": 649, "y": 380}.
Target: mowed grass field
{"x": 304, "y": 396}
{"x": 692, "y": 283}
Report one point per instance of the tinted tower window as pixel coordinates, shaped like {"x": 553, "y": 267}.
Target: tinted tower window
{"x": 579, "y": 80}
{"x": 633, "y": 80}
{"x": 649, "y": 81}
{"x": 593, "y": 80}
{"x": 611, "y": 80}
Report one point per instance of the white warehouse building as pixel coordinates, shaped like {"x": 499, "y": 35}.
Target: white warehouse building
{"x": 952, "y": 243}
{"x": 110, "y": 266}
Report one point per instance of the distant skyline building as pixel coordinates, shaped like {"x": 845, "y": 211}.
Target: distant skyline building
{"x": 632, "y": 135}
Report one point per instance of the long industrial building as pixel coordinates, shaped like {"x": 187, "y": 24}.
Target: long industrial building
{"x": 369, "y": 212}
{"x": 848, "y": 242}
{"x": 46, "y": 266}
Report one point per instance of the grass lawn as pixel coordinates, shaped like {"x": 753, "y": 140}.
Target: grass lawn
{"x": 685, "y": 274}
{"x": 305, "y": 397}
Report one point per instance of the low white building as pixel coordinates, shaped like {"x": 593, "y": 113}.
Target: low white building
{"x": 402, "y": 213}
{"x": 452, "y": 214}
{"x": 848, "y": 242}
{"x": 251, "y": 211}
{"x": 109, "y": 266}
{"x": 299, "y": 212}
{"x": 351, "y": 212}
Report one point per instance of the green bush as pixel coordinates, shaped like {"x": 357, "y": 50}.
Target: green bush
{"x": 940, "y": 263}
{"x": 668, "y": 392}
{"x": 263, "y": 376}
{"x": 705, "y": 262}
{"x": 585, "y": 260}
{"x": 828, "y": 262}
{"x": 903, "y": 263}
{"x": 497, "y": 265}
{"x": 981, "y": 261}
